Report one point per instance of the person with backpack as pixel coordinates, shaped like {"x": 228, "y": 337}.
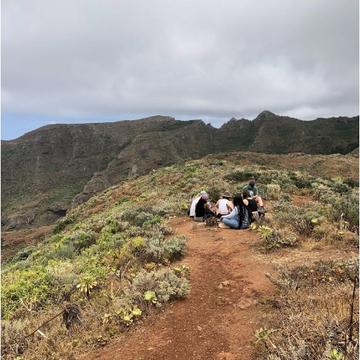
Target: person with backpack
{"x": 239, "y": 218}
{"x": 224, "y": 206}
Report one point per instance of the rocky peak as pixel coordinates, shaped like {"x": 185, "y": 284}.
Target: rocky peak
{"x": 266, "y": 115}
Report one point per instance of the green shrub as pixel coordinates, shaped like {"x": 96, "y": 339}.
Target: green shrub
{"x": 80, "y": 239}
{"x": 153, "y": 221}
{"x": 29, "y": 287}
{"x": 300, "y": 181}
{"x": 163, "y": 283}
{"x": 214, "y": 193}
{"x": 136, "y": 217}
{"x": 346, "y": 207}
{"x": 300, "y": 219}
{"x": 351, "y": 183}
{"x": 339, "y": 186}
{"x": 63, "y": 223}
{"x": 63, "y": 251}
{"x": 273, "y": 239}
{"x": 22, "y": 254}
{"x": 114, "y": 226}
{"x": 157, "y": 249}
{"x": 273, "y": 191}
{"x": 241, "y": 175}
{"x": 175, "y": 248}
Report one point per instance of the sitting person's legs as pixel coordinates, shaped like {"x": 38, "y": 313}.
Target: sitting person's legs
{"x": 233, "y": 223}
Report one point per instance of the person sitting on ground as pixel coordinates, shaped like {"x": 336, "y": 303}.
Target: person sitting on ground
{"x": 239, "y": 218}
{"x": 251, "y": 187}
{"x": 252, "y": 205}
{"x": 224, "y": 206}
{"x": 194, "y": 202}
{"x": 202, "y": 208}
{"x": 253, "y": 192}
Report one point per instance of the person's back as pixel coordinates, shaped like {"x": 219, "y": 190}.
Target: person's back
{"x": 200, "y": 208}
{"x": 223, "y": 206}
{"x": 194, "y": 202}
{"x": 252, "y": 205}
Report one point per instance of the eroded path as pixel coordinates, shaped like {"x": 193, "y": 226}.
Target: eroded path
{"x": 218, "y": 319}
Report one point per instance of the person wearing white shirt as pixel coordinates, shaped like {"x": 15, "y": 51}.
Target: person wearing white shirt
{"x": 224, "y": 206}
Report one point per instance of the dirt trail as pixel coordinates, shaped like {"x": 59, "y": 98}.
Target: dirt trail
{"x": 218, "y": 319}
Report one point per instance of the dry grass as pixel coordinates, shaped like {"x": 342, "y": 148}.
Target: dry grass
{"x": 312, "y": 315}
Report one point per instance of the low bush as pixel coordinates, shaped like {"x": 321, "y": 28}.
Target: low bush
{"x": 241, "y": 175}
{"x": 319, "y": 273}
{"x": 273, "y": 191}
{"x": 29, "y": 288}
{"x": 295, "y": 331}
{"x": 346, "y": 208}
{"x": 63, "y": 223}
{"x": 175, "y": 248}
{"x": 160, "y": 286}
{"x": 157, "y": 249}
{"x": 273, "y": 239}
{"x": 300, "y": 181}
{"x": 214, "y": 193}
{"x": 299, "y": 219}
{"x": 22, "y": 254}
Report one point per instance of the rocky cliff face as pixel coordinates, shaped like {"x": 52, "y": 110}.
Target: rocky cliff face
{"x": 47, "y": 170}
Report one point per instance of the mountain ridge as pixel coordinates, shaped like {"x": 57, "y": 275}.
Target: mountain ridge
{"x": 50, "y": 168}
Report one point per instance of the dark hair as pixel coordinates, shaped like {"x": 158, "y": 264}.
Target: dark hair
{"x": 239, "y": 204}
{"x": 245, "y": 194}
{"x": 238, "y": 200}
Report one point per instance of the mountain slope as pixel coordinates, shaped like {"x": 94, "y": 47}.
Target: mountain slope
{"x": 113, "y": 261}
{"x": 46, "y": 170}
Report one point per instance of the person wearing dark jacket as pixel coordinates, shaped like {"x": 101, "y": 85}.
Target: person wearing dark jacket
{"x": 202, "y": 208}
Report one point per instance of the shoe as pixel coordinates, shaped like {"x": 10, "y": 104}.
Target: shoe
{"x": 223, "y": 226}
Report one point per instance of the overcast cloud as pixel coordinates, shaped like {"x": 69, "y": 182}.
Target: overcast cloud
{"x": 204, "y": 58}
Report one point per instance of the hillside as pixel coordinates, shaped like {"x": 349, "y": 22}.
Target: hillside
{"x": 101, "y": 283}
{"x": 47, "y": 170}
{"x": 324, "y": 165}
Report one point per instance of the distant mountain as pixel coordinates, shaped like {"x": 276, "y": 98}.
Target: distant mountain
{"x": 48, "y": 169}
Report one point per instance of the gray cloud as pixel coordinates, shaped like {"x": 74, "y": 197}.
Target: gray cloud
{"x": 204, "y": 58}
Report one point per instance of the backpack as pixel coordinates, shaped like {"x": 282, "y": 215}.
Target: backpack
{"x": 244, "y": 217}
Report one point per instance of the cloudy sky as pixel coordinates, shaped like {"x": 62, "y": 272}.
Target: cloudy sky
{"x": 103, "y": 60}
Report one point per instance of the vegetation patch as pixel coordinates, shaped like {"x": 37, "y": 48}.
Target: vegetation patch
{"x": 313, "y": 314}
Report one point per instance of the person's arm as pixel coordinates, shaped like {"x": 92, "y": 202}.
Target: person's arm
{"x": 230, "y": 205}
{"x": 255, "y": 190}
{"x": 231, "y": 215}
{"x": 246, "y": 202}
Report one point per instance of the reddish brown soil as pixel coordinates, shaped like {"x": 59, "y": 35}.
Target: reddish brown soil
{"x": 218, "y": 319}
{"x": 13, "y": 241}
